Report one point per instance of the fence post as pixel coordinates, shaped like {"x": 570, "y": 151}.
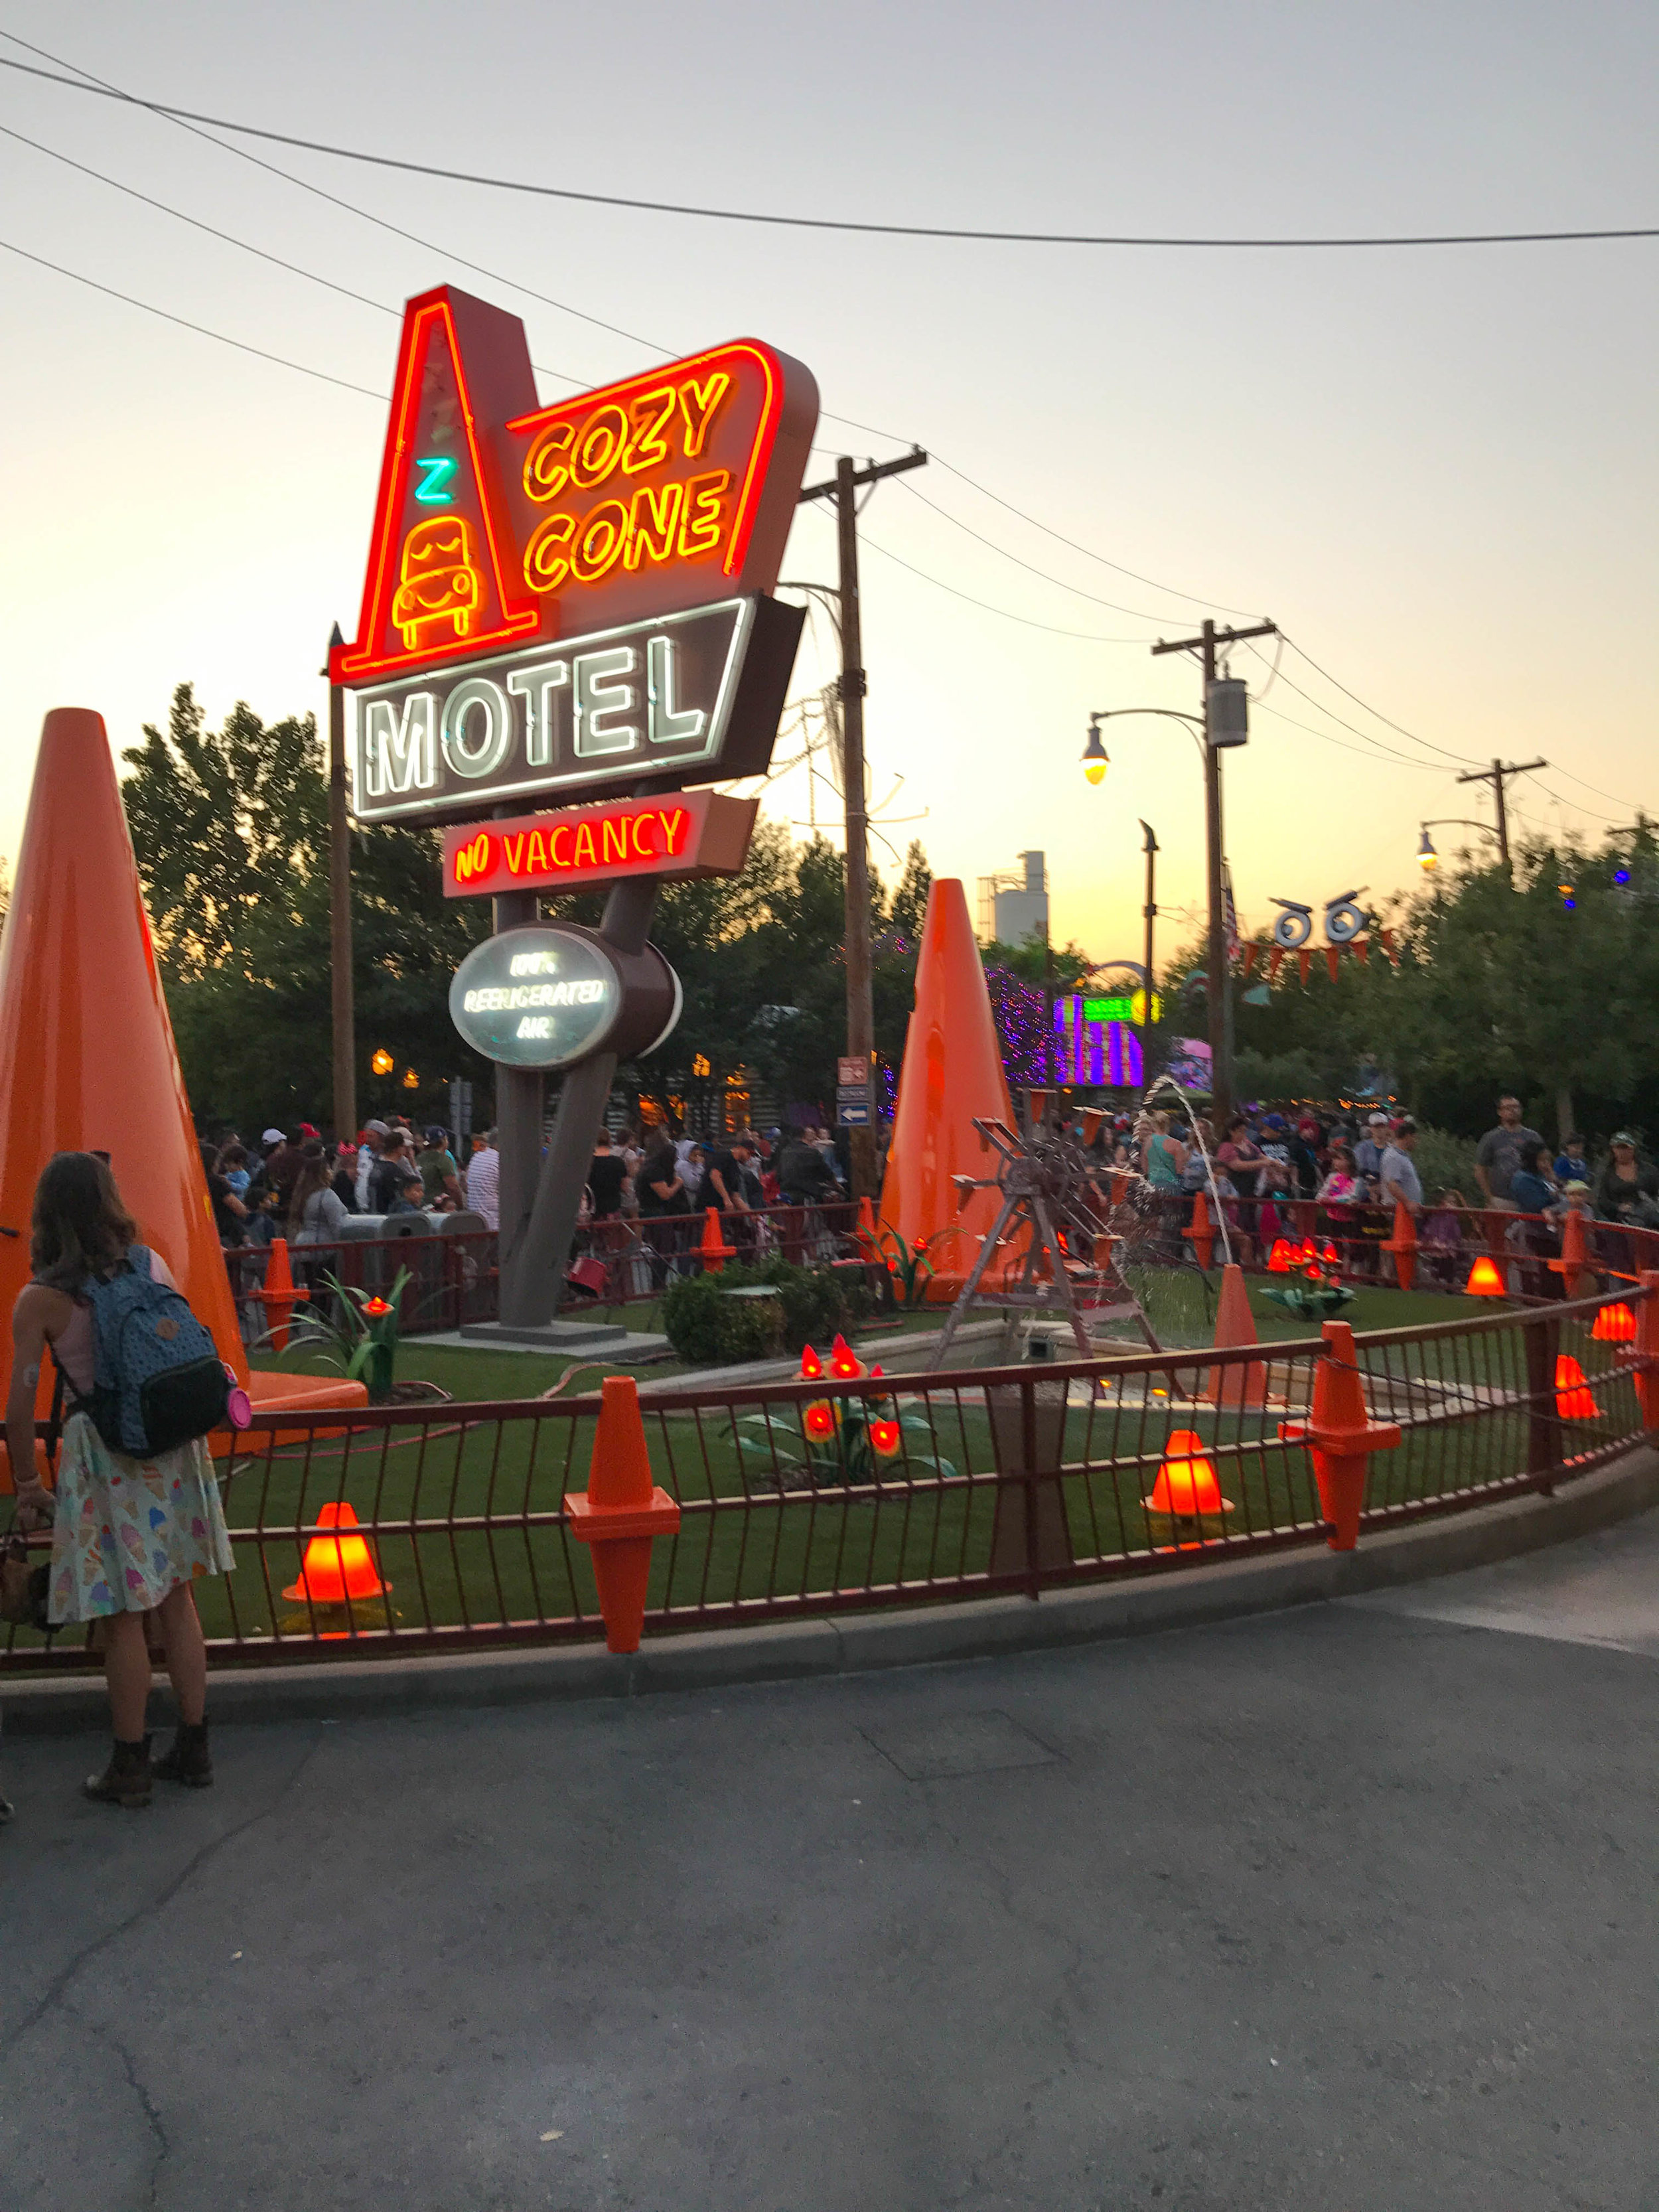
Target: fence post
{"x": 621, "y": 1513}
{"x": 1029, "y": 1535}
{"x": 1646, "y": 1376}
{"x": 1540, "y": 1334}
{"x": 1342, "y": 1436}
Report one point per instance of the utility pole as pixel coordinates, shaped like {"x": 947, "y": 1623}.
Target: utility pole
{"x": 843, "y": 488}
{"x": 339, "y": 915}
{"x": 1496, "y": 776}
{"x": 1150, "y": 912}
{"x": 1217, "y": 968}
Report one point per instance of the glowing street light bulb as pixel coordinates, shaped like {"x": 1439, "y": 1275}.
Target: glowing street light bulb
{"x": 382, "y": 1062}
{"x": 1427, "y": 859}
{"x": 1096, "y": 758}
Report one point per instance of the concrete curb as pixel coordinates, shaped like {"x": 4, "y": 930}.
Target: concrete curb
{"x": 777, "y": 1651}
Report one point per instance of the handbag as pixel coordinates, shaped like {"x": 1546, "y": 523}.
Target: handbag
{"x": 22, "y": 1588}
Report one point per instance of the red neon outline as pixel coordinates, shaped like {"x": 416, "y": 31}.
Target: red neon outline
{"x": 359, "y": 661}
{"x": 760, "y": 447}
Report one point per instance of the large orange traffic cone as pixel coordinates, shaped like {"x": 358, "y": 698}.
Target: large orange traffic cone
{"x": 715, "y": 1251}
{"x": 89, "y": 1063}
{"x": 621, "y": 1513}
{"x": 1244, "y": 1385}
{"x": 1403, "y": 1244}
{"x": 1342, "y": 1436}
{"x": 336, "y": 1568}
{"x": 952, "y": 1072}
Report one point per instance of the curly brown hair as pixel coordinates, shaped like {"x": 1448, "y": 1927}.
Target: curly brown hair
{"x": 80, "y": 1225}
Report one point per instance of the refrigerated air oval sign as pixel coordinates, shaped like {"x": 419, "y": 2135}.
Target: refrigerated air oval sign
{"x": 547, "y": 995}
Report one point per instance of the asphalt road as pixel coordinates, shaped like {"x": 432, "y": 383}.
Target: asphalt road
{"x": 1350, "y": 1908}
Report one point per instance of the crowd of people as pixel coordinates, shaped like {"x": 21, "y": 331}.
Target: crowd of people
{"x": 1357, "y": 1168}
{"x": 298, "y": 1185}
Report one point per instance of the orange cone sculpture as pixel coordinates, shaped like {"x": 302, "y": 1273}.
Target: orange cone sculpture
{"x": 1403, "y": 1245}
{"x": 952, "y": 1072}
{"x": 1199, "y": 1232}
{"x": 715, "y": 1251}
{"x": 1342, "y": 1436}
{"x": 89, "y": 1063}
{"x": 279, "y": 1297}
{"x": 1186, "y": 1486}
{"x": 619, "y": 1513}
{"x": 1247, "y": 1384}
{"x": 1577, "y": 1281}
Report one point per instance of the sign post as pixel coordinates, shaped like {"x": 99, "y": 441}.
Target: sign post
{"x": 570, "y": 608}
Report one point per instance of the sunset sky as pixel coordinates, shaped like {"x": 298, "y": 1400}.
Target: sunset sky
{"x": 1434, "y": 468}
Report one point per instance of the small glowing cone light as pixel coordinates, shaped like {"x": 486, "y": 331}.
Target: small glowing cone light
{"x": 336, "y": 1568}
{"x": 1614, "y": 1325}
{"x": 1574, "y": 1400}
{"x": 1186, "y": 1485}
{"x": 1486, "y": 1280}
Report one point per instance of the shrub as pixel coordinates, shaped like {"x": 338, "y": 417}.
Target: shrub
{"x": 1445, "y": 1163}
{"x": 708, "y": 1329}
{"x": 818, "y": 1302}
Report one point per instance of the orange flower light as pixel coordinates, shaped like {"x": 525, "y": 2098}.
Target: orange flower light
{"x": 1282, "y": 1258}
{"x": 1486, "y": 1280}
{"x": 818, "y": 1419}
{"x": 1574, "y": 1400}
{"x": 1614, "y": 1325}
{"x": 1186, "y": 1485}
{"x": 1331, "y": 1256}
{"x": 812, "y": 1367}
{"x": 337, "y": 1567}
{"x": 844, "y": 1362}
{"x": 885, "y": 1439}
{"x": 375, "y": 1308}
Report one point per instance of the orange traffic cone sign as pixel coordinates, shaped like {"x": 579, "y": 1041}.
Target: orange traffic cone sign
{"x": 1486, "y": 1280}
{"x": 1247, "y": 1384}
{"x": 336, "y": 1568}
{"x": 1200, "y": 1233}
{"x": 715, "y": 1249}
{"x": 1403, "y": 1244}
{"x": 621, "y": 1513}
{"x": 279, "y": 1297}
{"x": 1342, "y": 1436}
{"x": 1614, "y": 1324}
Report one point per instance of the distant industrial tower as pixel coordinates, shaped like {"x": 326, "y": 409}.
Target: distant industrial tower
{"x": 1011, "y": 908}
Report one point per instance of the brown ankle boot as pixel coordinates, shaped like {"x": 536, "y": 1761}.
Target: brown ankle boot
{"x": 126, "y": 1780}
{"x": 189, "y": 1760}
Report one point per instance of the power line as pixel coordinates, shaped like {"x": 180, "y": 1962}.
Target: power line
{"x": 183, "y": 323}
{"x": 824, "y": 222}
{"x": 1369, "y": 709}
{"x": 1137, "y": 614}
{"x": 1090, "y": 637}
{"x": 1428, "y": 768}
{"x": 1353, "y": 727}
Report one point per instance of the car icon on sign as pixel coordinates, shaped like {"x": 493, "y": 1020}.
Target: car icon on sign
{"x": 439, "y": 583}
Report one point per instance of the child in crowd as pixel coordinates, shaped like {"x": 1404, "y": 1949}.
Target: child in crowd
{"x": 1442, "y": 1238}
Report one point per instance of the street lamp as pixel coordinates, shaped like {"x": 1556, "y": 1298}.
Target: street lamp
{"x": 1427, "y": 859}
{"x": 382, "y": 1062}
{"x": 1096, "y": 758}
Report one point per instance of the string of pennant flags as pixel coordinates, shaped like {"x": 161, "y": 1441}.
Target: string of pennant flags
{"x": 1360, "y": 947}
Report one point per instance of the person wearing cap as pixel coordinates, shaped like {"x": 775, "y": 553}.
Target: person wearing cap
{"x": 1368, "y": 1153}
{"x": 369, "y": 1150}
{"x": 1499, "y": 1154}
{"x": 440, "y": 1176}
{"x": 1627, "y": 1189}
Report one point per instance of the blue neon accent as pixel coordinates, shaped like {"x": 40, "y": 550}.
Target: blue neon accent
{"x": 433, "y": 489}
{"x": 1621, "y": 875}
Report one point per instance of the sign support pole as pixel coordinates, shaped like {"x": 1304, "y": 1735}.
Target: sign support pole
{"x": 339, "y": 916}
{"x": 532, "y": 1274}
{"x": 521, "y": 1097}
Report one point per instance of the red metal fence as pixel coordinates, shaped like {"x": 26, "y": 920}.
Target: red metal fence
{"x": 454, "y": 1276}
{"x": 810, "y": 1498}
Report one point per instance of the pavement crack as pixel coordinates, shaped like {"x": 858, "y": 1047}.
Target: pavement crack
{"x": 60, "y": 1982}
{"x": 146, "y": 2102}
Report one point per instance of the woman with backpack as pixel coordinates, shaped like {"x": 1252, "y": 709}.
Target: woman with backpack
{"x": 129, "y": 1534}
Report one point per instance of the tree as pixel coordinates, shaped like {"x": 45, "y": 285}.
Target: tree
{"x": 230, "y": 829}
